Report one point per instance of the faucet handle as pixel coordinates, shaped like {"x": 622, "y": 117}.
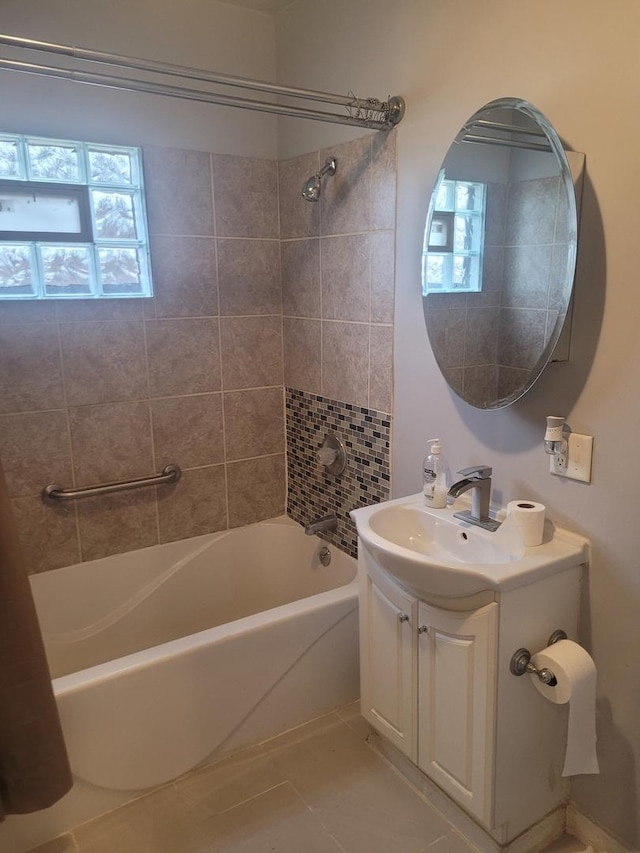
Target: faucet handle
{"x": 477, "y": 472}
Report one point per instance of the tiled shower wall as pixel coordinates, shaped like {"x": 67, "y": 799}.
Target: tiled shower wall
{"x": 312, "y": 492}
{"x": 338, "y": 260}
{"x": 92, "y": 392}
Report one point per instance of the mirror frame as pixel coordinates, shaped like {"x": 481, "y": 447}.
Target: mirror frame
{"x": 565, "y": 174}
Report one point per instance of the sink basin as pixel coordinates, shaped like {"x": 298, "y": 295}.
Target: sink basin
{"x": 432, "y": 553}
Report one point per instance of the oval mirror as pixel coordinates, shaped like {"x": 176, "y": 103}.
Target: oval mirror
{"x": 499, "y": 253}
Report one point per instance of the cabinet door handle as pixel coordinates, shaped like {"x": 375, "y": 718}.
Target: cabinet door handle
{"x": 423, "y": 629}
{"x": 403, "y": 617}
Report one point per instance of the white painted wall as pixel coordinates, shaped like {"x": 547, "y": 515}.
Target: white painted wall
{"x": 580, "y": 65}
{"x": 197, "y": 33}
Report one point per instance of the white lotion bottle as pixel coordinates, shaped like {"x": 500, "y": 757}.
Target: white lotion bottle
{"x": 435, "y": 476}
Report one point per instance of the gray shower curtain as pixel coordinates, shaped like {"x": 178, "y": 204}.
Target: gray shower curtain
{"x": 34, "y": 768}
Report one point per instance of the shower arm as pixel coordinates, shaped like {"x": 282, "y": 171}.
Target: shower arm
{"x": 329, "y": 168}
{"x": 368, "y": 112}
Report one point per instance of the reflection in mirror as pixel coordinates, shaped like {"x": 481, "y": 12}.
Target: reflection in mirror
{"x": 499, "y": 253}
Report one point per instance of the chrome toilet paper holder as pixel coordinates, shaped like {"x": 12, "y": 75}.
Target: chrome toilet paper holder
{"x": 521, "y": 661}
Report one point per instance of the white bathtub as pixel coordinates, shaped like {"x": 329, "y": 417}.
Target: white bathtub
{"x": 168, "y": 656}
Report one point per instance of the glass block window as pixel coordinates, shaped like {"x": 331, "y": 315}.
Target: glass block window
{"x": 454, "y": 238}
{"x": 72, "y": 220}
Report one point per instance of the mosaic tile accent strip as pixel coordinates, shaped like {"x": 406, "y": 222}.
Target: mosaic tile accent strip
{"x": 312, "y": 492}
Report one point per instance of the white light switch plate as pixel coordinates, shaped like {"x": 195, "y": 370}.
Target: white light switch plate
{"x": 576, "y": 462}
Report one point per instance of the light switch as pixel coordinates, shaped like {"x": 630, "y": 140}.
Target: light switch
{"x": 575, "y": 463}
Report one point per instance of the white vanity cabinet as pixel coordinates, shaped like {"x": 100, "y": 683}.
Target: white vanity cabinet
{"x": 435, "y": 681}
{"x": 427, "y": 684}
{"x": 388, "y": 653}
{"x": 456, "y": 688}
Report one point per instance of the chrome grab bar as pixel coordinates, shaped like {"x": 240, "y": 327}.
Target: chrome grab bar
{"x": 55, "y": 493}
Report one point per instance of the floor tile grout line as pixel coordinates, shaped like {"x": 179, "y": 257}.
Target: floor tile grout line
{"x": 316, "y": 816}
{"x": 257, "y": 796}
{"x": 419, "y": 793}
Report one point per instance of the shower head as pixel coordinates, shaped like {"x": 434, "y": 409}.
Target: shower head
{"x": 311, "y": 189}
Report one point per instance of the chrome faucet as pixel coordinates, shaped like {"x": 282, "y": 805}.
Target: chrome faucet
{"x": 326, "y": 524}
{"x": 476, "y": 479}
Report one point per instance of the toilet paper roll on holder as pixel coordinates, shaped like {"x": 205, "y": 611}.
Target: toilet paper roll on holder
{"x": 521, "y": 661}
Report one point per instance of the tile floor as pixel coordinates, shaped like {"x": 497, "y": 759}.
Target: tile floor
{"x": 318, "y": 789}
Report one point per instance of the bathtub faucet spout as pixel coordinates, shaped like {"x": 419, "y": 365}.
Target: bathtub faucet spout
{"x": 326, "y": 524}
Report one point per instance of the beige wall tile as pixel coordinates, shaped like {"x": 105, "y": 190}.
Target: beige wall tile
{"x": 521, "y": 336}
{"x": 111, "y": 442}
{"x": 382, "y": 245}
{"x": 96, "y": 310}
{"x": 509, "y": 379}
{"x": 251, "y": 352}
{"x": 35, "y": 451}
{"x": 194, "y": 505}
{"x": 455, "y": 378}
{"x": 48, "y": 533}
{"x": 529, "y": 203}
{"x": 184, "y": 276}
{"x": 104, "y": 348}
{"x": 302, "y": 354}
{"x": 346, "y": 277}
{"x": 27, "y": 312}
{"x": 246, "y": 196}
{"x": 446, "y": 329}
{"x": 103, "y": 362}
{"x": 31, "y": 375}
{"x": 558, "y": 289}
{"x": 113, "y": 524}
{"x": 256, "y": 489}
{"x": 481, "y": 340}
{"x": 187, "y": 430}
{"x": 496, "y": 205}
{"x": 249, "y": 277}
{"x": 254, "y": 422}
{"x": 301, "y": 278}
{"x": 346, "y": 197}
{"x": 526, "y": 275}
{"x": 481, "y": 383}
{"x": 383, "y": 180}
{"x": 298, "y": 218}
{"x": 183, "y": 356}
{"x": 381, "y": 369}
{"x": 492, "y": 277}
{"x": 345, "y": 362}
{"x": 178, "y": 191}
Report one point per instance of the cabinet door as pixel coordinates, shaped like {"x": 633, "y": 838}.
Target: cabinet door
{"x": 388, "y": 670}
{"x": 456, "y": 684}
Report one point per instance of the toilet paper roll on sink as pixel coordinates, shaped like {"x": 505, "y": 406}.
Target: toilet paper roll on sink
{"x": 529, "y": 518}
{"x": 575, "y": 673}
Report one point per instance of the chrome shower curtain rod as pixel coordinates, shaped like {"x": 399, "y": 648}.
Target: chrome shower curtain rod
{"x": 363, "y": 112}
{"x": 507, "y": 143}
{"x": 467, "y": 135}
